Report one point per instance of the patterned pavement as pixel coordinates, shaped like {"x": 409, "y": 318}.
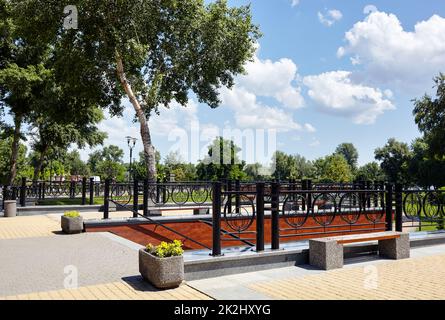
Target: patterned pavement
{"x": 409, "y": 279}
{"x": 34, "y": 257}
{"x": 38, "y": 262}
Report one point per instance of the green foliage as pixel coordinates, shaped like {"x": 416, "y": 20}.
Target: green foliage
{"x": 107, "y": 163}
{"x": 24, "y": 168}
{"x": 350, "y": 153}
{"x": 168, "y": 49}
{"x": 256, "y": 172}
{"x": 426, "y": 170}
{"x": 370, "y": 172}
{"x": 221, "y": 162}
{"x": 165, "y": 250}
{"x": 291, "y": 166}
{"x": 72, "y": 214}
{"x": 75, "y": 166}
{"x": 395, "y": 157}
{"x": 429, "y": 115}
{"x": 333, "y": 168}
{"x": 108, "y": 169}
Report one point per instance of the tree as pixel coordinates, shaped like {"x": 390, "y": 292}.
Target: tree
{"x": 256, "y": 172}
{"x": 221, "y": 162}
{"x": 291, "y": 166}
{"x": 333, "y": 168}
{"x": 350, "y": 153}
{"x": 48, "y": 135}
{"x": 394, "y": 159}
{"x": 429, "y": 115}
{"x": 370, "y": 172}
{"x": 24, "y": 171}
{"x": 152, "y": 52}
{"x": 107, "y": 163}
{"x": 75, "y": 165}
{"x": 30, "y": 89}
{"x": 426, "y": 170}
{"x": 174, "y": 164}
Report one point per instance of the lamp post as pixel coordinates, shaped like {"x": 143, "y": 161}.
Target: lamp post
{"x": 131, "y": 143}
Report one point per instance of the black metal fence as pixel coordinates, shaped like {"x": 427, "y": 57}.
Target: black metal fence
{"x": 298, "y": 210}
{"x": 255, "y": 213}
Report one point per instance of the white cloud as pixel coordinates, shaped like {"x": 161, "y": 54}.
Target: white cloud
{"x": 330, "y": 17}
{"x": 295, "y": 3}
{"x": 250, "y": 113}
{"x": 336, "y": 93}
{"x": 273, "y": 79}
{"x": 392, "y": 55}
{"x": 369, "y": 9}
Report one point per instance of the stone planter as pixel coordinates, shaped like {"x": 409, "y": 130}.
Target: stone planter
{"x": 163, "y": 273}
{"x": 72, "y": 225}
{"x": 10, "y": 208}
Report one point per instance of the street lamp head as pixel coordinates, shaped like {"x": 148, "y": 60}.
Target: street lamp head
{"x": 131, "y": 139}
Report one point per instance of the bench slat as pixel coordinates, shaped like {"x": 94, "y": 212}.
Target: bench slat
{"x": 364, "y": 239}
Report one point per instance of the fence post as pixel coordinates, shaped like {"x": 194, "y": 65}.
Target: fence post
{"x": 260, "y": 216}
{"x": 145, "y": 209}
{"x": 5, "y": 193}
{"x": 388, "y": 204}
{"x": 229, "y": 196}
{"x": 237, "y": 196}
{"x": 158, "y": 196}
{"x": 309, "y": 195}
{"x": 72, "y": 191}
{"x": 304, "y": 187}
{"x": 216, "y": 219}
{"x": 40, "y": 190}
{"x": 368, "y": 194}
{"x": 91, "y": 191}
{"x": 399, "y": 207}
{"x": 84, "y": 191}
{"x": 43, "y": 190}
{"x": 106, "y": 198}
{"x": 275, "y": 223}
{"x": 23, "y": 193}
{"x": 135, "y": 197}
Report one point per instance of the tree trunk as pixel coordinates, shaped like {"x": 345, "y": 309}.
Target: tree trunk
{"x": 38, "y": 167}
{"x": 15, "y": 150}
{"x": 149, "y": 151}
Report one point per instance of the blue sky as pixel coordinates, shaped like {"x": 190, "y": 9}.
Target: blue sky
{"x": 325, "y": 72}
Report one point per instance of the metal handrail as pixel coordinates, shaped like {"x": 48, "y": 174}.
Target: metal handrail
{"x": 160, "y": 224}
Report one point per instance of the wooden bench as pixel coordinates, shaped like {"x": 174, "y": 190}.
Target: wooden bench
{"x": 199, "y": 210}
{"x": 327, "y": 253}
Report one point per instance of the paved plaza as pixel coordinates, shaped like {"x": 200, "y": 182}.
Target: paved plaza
{"x": 36, "y": 261}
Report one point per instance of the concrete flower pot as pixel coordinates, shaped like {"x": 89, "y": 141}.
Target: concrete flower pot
{"x": 10, "y": 208}
{"x": 163, "y": 273}
{"x": 72, "y": 225}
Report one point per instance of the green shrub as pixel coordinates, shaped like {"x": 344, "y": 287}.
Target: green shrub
{"x": 72, "y": 214}
{"x": 165, "y": 250}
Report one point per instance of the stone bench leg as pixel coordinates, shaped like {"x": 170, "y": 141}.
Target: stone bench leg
{"x": 395, "y": 248}
{"x": 325, "y": 255}
{"x": 200, "y": 211}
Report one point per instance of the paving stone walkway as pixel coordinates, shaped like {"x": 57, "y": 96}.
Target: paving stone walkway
{"x": 135, "y": 289}
{"x": 365, "y": 278}
{"x": 35, "y": 261}
{"x": 28, "y": 227}
{"x": 38, "y": 262}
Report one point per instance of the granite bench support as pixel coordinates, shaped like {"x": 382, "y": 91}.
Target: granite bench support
{"x": 196, "y": 210}
{"x": 327, "y": 253}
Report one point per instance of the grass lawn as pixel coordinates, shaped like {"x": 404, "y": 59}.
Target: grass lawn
{"x": 66, "y": 201}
